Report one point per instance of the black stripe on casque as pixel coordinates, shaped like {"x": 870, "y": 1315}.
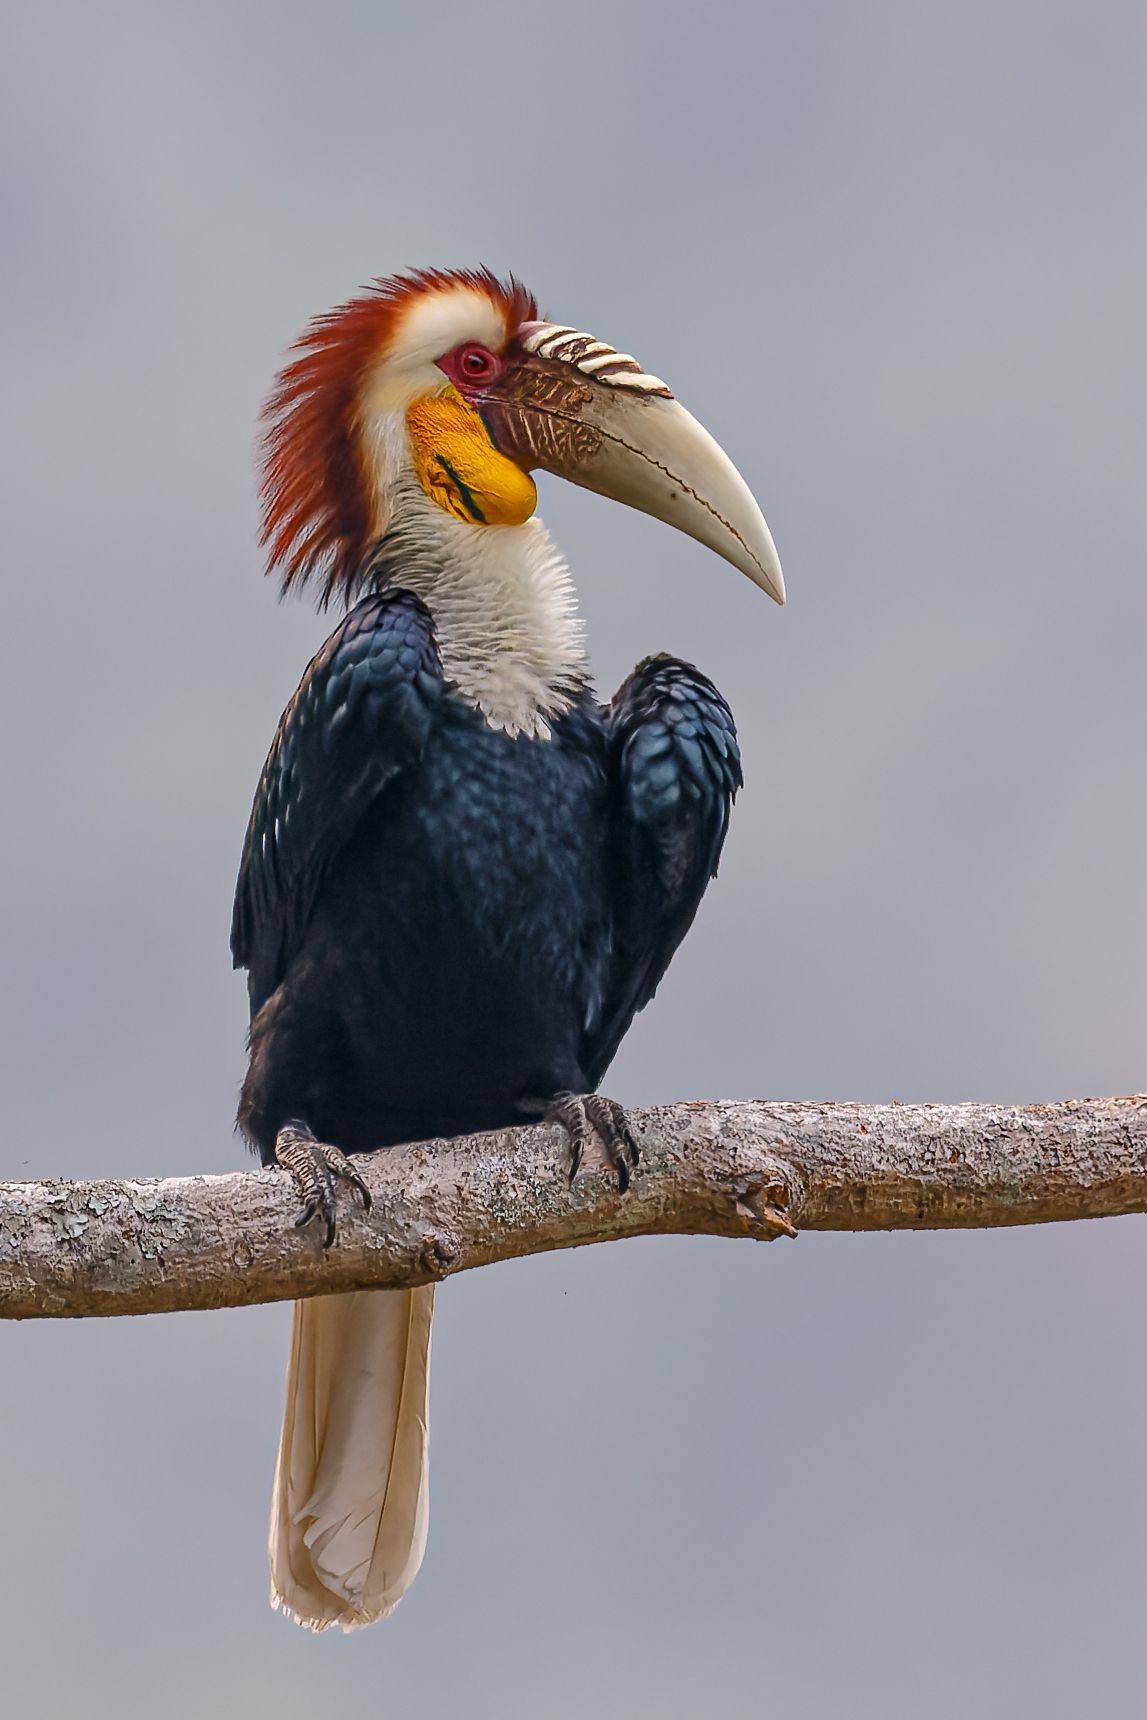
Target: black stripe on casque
{"x": 464, "y": 490}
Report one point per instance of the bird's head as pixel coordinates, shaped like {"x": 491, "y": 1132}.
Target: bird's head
{"x": 448, "y": 381}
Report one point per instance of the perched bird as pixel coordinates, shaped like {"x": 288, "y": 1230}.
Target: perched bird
{"x": 462, "y": 874}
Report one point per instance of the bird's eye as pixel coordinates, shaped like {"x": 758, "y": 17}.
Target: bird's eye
{"x": 471, "y": 363}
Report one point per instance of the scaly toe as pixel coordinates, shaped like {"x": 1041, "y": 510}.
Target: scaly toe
{"x": 591, "y": 1116}
{"x": 612, "y": 1126}
{"x": 567, "y": 1110}
{"x": 314, "y": 1167}
{"x": 341, "y": 1167}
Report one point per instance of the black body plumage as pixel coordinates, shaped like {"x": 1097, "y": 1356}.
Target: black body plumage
{"x": 445, "y": 926}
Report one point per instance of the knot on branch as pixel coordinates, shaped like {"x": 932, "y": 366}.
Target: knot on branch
{"x": 765, "y": 1202}
{"x": 439, "y": 1254}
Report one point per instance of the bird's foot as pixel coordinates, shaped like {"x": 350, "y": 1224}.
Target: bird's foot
{"x": 315, "y": 1167}
{"x": 591, "y": 1120}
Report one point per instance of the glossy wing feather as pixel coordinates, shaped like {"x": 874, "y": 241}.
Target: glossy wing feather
{"x": 676, "y": 768}
{"x": 360, "y": 715}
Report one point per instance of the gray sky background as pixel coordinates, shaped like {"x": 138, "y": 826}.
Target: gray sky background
{"x": 893, "y": 255}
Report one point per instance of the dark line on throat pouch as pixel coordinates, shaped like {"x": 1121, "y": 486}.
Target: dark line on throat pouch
{"x": 464, "y": 491}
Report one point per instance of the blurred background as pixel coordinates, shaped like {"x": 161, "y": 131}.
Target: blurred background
{"x": 893, "y": 255}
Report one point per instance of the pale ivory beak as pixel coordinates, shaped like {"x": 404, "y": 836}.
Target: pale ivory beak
{"x": 655, "y": 456}
{"x": 574, "y": 407}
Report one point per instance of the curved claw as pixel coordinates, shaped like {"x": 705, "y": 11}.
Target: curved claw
{"x": 307, "y": 1213}
{"x": 351, "y": 1176}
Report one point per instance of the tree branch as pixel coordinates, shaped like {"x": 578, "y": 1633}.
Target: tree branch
{"x": 719, "y": 1169}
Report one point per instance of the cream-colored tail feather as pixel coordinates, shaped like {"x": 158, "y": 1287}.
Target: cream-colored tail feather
{"x": 349, "y": 1510}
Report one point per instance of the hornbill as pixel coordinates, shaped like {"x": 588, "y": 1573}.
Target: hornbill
{"x": 462, "y": 874}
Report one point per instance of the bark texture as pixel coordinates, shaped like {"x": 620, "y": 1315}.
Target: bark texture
{"x": 749, "y": 1169}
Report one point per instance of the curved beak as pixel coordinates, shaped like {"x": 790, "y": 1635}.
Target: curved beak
{"x": 571, "y": 405}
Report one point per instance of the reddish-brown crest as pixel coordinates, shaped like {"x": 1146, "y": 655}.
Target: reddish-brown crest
{"x": 318, "y": 513}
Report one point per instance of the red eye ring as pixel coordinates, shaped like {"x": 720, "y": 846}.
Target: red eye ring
{"x": 471, "y": 364}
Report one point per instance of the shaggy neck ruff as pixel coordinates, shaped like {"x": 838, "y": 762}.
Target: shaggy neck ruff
{"x": 504, "y": 608}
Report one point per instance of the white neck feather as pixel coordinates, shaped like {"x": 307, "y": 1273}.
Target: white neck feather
{"x": 504, "y": 608}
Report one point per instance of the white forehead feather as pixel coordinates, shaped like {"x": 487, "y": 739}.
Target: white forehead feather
{"x": 435, "y": 322}
{"x": 430, "y": 325}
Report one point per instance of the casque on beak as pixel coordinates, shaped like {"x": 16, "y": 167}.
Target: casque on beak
{"x": 573, "y": 406}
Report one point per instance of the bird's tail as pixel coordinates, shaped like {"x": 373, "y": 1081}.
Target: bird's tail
{"x": 349, "y": 1510}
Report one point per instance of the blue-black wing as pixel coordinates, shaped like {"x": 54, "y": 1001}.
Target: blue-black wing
{"x": 675, "y": 769}
{"x": 361, "y": 714}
